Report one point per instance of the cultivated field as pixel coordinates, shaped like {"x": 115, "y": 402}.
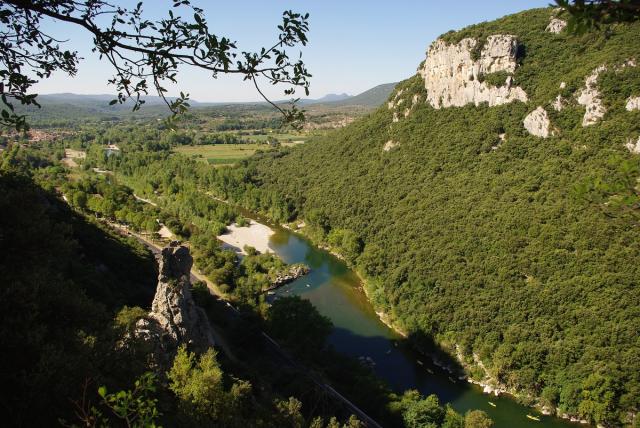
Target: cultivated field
{"x": 221, "y": 154}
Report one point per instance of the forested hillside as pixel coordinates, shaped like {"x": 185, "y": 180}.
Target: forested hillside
{"x": 516, "y": 250}
{"x": 74, "y": 289}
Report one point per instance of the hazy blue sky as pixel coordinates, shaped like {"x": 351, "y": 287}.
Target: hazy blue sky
{"x": 353, "y": 44}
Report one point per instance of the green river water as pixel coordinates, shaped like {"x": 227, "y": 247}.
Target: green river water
{"x": 336, "y": 291}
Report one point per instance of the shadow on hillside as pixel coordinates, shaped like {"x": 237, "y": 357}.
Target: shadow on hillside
{"x": 401, "y": 366}
{"x": 115, "y": 270}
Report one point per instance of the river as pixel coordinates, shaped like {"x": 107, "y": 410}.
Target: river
{"x": 336, "y": 291}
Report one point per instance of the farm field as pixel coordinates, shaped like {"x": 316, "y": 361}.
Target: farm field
{"x": 221, "y": 154}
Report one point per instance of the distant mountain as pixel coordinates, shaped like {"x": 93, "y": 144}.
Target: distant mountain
{"x": 99, "y": 103}
{"x": 373, "y": 97}
{"x": 334, "y": 97}
{"x": 63, "y": 108}
{"x": 329, "y": 98}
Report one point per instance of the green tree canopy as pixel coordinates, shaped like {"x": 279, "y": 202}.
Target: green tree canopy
{"x": 296, "y": 323}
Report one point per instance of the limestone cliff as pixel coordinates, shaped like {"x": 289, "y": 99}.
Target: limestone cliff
{"x": 174, "y": 319}
{"x": 452, "y": 76}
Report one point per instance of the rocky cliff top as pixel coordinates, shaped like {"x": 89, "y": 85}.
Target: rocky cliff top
{"x": 453, "y": 76}
{"x": 175, "y": 261}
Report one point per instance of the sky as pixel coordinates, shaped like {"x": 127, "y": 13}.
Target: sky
{"x": 353, "y": 46}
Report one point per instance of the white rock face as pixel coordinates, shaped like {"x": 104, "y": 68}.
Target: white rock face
{"x": 631, "y": 62}
{"x": 499, "y": 54}
{"x": 590, "y": 98}
{"x": 558, "y": 103}
{"x": 537, "y": 123}
{"x": 390, "y": 145}
{"x": 633, "y": 103}
{"x": 451, "y": 75}
{"x": 556, "y": 25}
{"x": 633, "y": 146}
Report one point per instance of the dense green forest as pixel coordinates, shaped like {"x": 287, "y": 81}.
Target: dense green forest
{"x": 522, "y": 253}
{"x": 74, "y": 288}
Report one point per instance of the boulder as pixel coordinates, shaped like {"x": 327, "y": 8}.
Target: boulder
{"x": 633, "y": 146}
{"x": 295, "y": 271}
{"x": 537, "y": 123}
{"x": 559, "y": 103}
{"x": 390, "y": 145}
{"x": 633, "y": 103}
{"x": 556, "y": 26}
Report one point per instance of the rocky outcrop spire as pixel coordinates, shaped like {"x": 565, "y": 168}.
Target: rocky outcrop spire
{"x": 174, "y": 319}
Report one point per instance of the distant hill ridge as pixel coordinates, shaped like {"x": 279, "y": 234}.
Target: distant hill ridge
{"x": 373, "y": 97}
{"x": 329, "y": 98}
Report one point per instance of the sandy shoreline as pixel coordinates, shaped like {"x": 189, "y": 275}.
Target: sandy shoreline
{"x": 255, "y": 235}
{"x": 165, "y": 232}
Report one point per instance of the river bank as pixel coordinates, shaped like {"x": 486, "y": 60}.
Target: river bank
{"x": 448, "y": 379}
